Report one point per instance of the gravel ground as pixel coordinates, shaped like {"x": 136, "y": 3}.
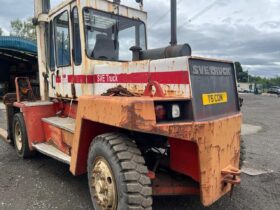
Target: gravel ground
{"x": 2, "y": 116}
{"x": 43, "y": 183}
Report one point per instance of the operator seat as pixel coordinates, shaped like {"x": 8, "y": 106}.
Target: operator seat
{"x": 106, "y": 48}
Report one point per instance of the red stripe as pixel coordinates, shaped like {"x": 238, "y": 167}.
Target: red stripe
{"x": 172, "y": 77}
{"x": 58, "y": 80}
{"x": 79, "y": 79}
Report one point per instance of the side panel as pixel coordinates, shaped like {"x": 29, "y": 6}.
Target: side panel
{"x": 56, "y": 137}
{"x": 96, "y": 77}
{"x": 33, "y": 120}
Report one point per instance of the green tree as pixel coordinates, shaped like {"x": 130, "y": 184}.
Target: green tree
{"x": 265, "y": 82}
{"x": 1, "y": 32}
{"x": 241, "y": 75}
{"x": 23, "y": 28}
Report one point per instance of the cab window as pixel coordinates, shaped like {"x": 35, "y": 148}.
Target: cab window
{"x": 62, "y": 39}
{"x": 110, "y": 36}
{"x": 77, "y": 54}
{"x": 50, "y": 47}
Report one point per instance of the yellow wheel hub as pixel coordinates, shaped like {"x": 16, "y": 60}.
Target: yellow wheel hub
{"x": 103, "y": 185}
{"x": 18, "y": 136}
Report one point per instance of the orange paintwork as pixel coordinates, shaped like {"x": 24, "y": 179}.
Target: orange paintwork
{"x": 218, "y": 140}
{"x": 165, "y": 185}
{"x": 56, "y": 137}
{"x": 33, "y": 121}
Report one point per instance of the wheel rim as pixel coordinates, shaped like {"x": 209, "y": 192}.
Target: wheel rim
{"x": 18, "y": 136}
{"x": 103, "y": 185}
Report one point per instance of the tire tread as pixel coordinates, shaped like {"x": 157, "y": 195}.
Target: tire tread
{"x": 138, "y": 190}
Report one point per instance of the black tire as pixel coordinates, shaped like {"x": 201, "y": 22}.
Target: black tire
{"x": 242, "y": 152}
{"x": 133, "y": 186}
{"x": 19, "y": 125}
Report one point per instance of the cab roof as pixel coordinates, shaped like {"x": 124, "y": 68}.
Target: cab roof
{"x": 106, "y": 6}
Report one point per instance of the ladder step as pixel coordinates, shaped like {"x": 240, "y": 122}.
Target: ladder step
{"x": 53, "y": 152}
{"x": 67, "y": 124}
{"x": 37, "y": 103}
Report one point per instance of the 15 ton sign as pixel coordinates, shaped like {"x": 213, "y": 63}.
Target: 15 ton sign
{"x": 214, "y": 98}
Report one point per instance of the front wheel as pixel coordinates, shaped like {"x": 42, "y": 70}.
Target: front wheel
{"x": 20, "y": 137}
{"x": 117, "y": 174}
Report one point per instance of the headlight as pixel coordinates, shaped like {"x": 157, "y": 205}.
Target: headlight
{"x": 176, "y": 112}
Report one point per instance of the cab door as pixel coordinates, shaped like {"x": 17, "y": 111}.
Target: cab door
{"x": 60, "y": 86}
{"x": 77, "y": 80}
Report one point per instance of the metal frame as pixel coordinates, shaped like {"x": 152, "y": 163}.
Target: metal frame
{"x": 30, "y": 96}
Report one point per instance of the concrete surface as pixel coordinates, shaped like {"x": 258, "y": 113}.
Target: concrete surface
{"x": 2, "y": 116}
{"x": 248, "y": 129}
{"x": 3, "y": 133}
{"x": 2, "y": 106}
{"x": 43, "y": 183}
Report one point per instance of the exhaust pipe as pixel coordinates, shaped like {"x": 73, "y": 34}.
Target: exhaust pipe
{"x": 173, "y": 12}
{"x": 171, "y": 51}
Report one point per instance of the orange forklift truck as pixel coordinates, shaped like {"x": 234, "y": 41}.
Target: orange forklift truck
{"x": 140, "y": 122}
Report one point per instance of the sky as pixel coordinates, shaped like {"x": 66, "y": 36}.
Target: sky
{"x": 239, "y": 30}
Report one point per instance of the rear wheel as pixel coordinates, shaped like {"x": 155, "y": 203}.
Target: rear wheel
{"x": 117, "y": 174}
{"x": 20, "y": 137}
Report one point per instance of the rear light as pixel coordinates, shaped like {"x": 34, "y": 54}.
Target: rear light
{"x": 160, "y": 112}
{"x": 176, "y": 111}
{"x": 166, "y": 111}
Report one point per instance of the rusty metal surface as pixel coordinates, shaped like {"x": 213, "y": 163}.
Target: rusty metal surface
{"x": 119, "y": 91}
{"x": 231, "y": 175}
{"x": 55, "y": 137}
{"x": 149, "y": 90}
{"x": 218, "y": 140}
{"x": 164, "y": 185}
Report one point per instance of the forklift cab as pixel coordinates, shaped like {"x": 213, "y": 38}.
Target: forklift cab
{"x": 82, "y": 34}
